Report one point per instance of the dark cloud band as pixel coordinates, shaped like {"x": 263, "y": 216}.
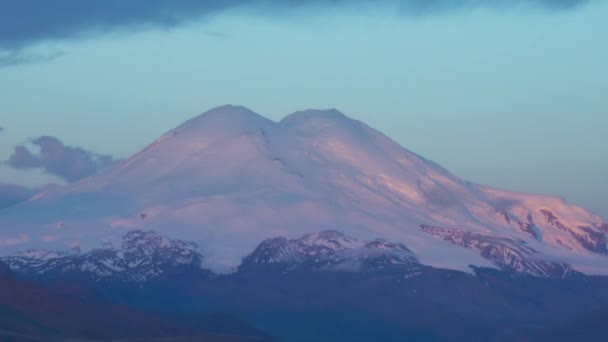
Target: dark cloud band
{"x": 23, "y": 22}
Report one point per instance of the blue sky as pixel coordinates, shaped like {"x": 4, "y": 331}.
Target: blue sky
{"x": 506, "y": 95}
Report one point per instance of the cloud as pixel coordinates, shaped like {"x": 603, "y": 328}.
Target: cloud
{"x": 435, "y": 6}
{"x": 11, "y": 194}
{"x": 48, "y": 238}
{"x": 15, "y": 240}
{"x": 67, "y": 162}
{"x": 24, "y": 22}
{"x": 18, "y": 57}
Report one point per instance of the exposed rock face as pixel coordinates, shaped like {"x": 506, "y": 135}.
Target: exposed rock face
{"x": 504, "y": 252}
{"x": 553, "y": 220}
{"x": 142, "y": 256}
{"x": 146, "y": 255}
{"x": 528, "y": 226}
{"x": 232, "y": 178}
{"x": 589, "y": 238}
{"x": 329, "y": 251}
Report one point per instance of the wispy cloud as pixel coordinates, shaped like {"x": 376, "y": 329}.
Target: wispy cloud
{"x": 18, "y": 57}
{"x": 68, "y": 162}
{"x": 25, "y": 22}
{"x": 14, "y": 240}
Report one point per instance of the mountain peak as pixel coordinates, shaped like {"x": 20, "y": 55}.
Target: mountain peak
{"x": 315, "y": 112}
{"x": 229, "y": 110}
{"x": 231, "y": 178}
{"x": 227, "y": 116}
{"x": 308, "y": 115}
{"x": 329, "y": 250}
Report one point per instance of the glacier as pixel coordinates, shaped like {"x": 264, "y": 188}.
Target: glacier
{"x": 230, "y": 178}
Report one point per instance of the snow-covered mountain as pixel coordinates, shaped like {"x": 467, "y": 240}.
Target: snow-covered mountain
{"x": 229, "y": 179}
{"x": 142, "y": 256}
{"x": 147, "y": 255}
{"x": 329, "y": 251}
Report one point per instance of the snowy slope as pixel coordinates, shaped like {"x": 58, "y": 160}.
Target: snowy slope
{"x": 230, "y": 179}
{"x": 329, "y": 251}
{"x": 141, "y": 256}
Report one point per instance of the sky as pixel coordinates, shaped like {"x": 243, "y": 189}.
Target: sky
{"x": 511, "y": 94}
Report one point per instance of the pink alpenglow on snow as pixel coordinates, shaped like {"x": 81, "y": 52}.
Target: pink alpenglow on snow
{"x": 230, "y": 179}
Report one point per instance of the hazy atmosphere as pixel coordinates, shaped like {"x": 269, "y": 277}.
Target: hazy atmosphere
{"x": 310, "y": 170}
{"x": 504, "y": 93}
